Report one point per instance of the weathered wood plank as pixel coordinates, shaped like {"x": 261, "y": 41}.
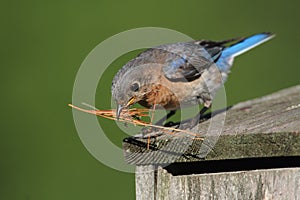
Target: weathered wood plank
{"x": 258, "y": 184}
{"x": 145, "y": 182}
{"x": 274, "y": 184}
{"x": 263, "y": 127}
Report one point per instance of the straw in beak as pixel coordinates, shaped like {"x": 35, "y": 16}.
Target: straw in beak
{"x": 120, "y": 107}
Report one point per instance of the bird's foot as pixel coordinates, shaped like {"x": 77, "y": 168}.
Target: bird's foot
{"x": 151, "y": 132}
{"x": 188, "y": 124}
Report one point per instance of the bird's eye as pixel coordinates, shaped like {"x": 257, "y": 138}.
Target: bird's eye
{"x": 135, "y": 87}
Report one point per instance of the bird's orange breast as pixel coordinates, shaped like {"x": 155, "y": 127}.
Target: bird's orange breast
{"x": 161, "y": 96}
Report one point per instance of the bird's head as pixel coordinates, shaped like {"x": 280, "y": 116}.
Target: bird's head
{"x": 130, "y": 86}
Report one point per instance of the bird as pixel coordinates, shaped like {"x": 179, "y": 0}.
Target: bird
{"x": 173, "y": 76}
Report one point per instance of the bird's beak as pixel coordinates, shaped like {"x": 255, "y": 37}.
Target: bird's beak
{"x": 120, "y": 107}
{"x": 119, "y": 110}
{"x": 131, "y": 101}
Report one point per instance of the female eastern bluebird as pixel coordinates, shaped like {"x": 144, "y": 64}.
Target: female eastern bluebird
{"x": 174, "y": 75}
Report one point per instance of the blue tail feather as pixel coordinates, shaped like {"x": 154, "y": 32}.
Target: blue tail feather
{"x": 246, "y": 44}
{"x": 228, "y": 54}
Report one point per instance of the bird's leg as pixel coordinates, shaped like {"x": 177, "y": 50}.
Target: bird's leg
{"x": 145, "y": 131}
{"x": 198, "y": 117}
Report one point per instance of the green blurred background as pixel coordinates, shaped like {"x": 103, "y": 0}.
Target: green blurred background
{"x": 43, "y": 44}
